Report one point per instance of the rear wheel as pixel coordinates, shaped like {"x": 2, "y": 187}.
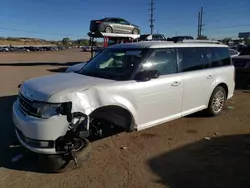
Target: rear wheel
{"x": 108, "y": 30}
{"x": 217, "y": 101}
{"x": 135, "y": 31}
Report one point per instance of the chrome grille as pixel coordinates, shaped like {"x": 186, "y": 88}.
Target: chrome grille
{"x": 26, "y": 105}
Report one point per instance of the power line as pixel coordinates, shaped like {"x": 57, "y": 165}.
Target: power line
{"x": 225, "y": 7}
{"x": 151, "y": 20}
{"x": 225, "y": 27}
{"x": 228, "y": 14}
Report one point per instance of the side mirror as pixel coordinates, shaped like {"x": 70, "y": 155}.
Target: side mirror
{"x": 147, "y": 75}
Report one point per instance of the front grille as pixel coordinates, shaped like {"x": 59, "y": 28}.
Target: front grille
{"x": 26, "y": 105}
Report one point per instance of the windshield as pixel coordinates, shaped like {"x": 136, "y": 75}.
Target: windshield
{"x": 115, "y": 64}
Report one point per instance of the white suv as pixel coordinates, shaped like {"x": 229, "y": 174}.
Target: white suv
{"x": 133, "y": 86}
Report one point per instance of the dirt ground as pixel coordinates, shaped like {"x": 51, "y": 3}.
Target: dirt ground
{"x": 175, "y": 154}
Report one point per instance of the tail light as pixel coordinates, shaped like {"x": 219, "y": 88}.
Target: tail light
{"x": 98, "y": 22}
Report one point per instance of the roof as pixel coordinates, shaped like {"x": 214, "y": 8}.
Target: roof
{"x": 112, "y": 18}
{"x": 165, "y": 44}
{"x": 118, "y": 35}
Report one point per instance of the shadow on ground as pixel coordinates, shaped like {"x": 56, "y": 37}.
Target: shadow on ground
{"x": 7, "y": 134}
{"x": 58, "y": 70}
{"x": 11, "y": 148}
{"x": 20, "y": 64}
{"x": 9, "y": 145}
{"x": 219, "y": 162}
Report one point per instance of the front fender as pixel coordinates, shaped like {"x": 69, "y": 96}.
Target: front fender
{"x": 87, "y": 101}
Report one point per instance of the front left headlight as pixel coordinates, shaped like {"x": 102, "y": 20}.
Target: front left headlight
{"x": 45, "y": 110}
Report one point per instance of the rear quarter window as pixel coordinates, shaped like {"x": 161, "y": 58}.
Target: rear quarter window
{"x": 220, "y": 56}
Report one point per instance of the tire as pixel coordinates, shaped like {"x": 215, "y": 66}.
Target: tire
{"x": 108, "y": 29}
{"x": 135, "y": 32}
{"x": 62, "y": 163}
{"x": 216, "y": 102}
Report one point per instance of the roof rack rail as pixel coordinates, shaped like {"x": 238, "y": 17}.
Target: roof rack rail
{"x": 199, "y": 41}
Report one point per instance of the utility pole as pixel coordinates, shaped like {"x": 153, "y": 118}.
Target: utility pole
{"x": 151, "y": 20}
{"x": 200, "y": 23}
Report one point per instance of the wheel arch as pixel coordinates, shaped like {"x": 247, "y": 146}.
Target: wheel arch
{"x": 222, "y": 84}
{"x": 115, "y": 114}
{"x": 108, "y": 25}
{"x": 135, "y": 28}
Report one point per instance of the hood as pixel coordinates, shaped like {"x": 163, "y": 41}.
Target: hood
{"x": 42, "y": 88}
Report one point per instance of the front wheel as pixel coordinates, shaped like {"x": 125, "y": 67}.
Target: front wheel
{"x": 63, "y": 163}
{"x": 217, "y": 101}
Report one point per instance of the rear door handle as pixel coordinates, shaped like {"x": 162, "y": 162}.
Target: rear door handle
{"x": 209, "y": 77}
{"x": 175, "y": 84}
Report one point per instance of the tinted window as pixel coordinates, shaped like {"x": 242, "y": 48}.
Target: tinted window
{"x": 233, "y": 52}
{"x": 117, "y": 64}
{"x": 143, "y": 37}
{"x": 191, "y": 59}
{"x": 162, "y": 60}
{"x": 220, "y": 57}
{"x": 113, "y": 20}
{"x": 123, "y": 22}
{"x": 158, "y": 37}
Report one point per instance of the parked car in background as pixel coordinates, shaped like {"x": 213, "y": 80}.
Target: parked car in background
{"x": 22, "y": 49}
{"x": 75, "y": 68}
{"x": 152, "y": 37}
{"x": 4, "y": 49}
{"x": 86, "y": 48}
{"x": 114, "y": 25}
{"x": 53, "y": 48}
{"x": 242, "y": 63}
{"x": 180, "y": 38}
{"x": 245, "y": 51}
{"x": 234, "y": 53}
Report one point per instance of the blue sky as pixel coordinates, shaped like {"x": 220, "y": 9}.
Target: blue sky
{"x": 55, "y": 19}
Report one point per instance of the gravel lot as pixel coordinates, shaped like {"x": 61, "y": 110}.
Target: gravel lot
{"x": 174, "y": 155}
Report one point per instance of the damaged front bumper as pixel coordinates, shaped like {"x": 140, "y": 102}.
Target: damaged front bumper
{"x": 36, "y": 134}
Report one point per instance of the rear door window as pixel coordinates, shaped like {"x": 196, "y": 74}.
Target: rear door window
{"x": 162, "y": 60}
{"x": 194, "y": 58}
{"x": 114, "y": 20}
{"x": 124, "y": 22}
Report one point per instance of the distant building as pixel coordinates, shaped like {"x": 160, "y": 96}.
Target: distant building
{"x": 245, "y": 35}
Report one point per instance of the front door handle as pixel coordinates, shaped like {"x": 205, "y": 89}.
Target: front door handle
{"x": 209, "y": 77}
{"x": 175, "y": 84}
